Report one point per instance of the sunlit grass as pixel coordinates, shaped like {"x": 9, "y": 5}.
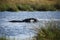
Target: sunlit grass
{"x": 29, "y": 5}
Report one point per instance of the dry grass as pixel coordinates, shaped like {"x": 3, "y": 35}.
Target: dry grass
{"x": 38, "y": 4}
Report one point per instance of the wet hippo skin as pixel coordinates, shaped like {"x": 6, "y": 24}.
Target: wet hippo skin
{"x": 25, "y": 20}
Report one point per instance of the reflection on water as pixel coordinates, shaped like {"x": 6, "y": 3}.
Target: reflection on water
{"x": 23, "y": 30}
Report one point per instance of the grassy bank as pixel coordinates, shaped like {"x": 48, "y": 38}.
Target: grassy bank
{"x": 51, "y": 32}
{"x": 29, "y": 5}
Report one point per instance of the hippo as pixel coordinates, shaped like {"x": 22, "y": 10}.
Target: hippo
{"x": 28, "y": 20}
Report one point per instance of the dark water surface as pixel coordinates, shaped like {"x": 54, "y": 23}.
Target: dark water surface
{"x": 24, "y": 30}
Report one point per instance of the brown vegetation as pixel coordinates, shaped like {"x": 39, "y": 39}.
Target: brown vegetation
{"x": 29, "y": 5}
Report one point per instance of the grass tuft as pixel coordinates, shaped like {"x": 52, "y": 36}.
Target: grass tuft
{"x": 50, "y": 32}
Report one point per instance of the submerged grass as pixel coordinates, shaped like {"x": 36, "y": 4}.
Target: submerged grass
{"x": 3, "y": 38}
{"x": 50, "y": 32}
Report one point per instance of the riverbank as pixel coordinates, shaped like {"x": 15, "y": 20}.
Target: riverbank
{"x": 29, "y": 5}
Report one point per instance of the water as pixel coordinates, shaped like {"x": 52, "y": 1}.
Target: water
{"x": 24, "y": 30}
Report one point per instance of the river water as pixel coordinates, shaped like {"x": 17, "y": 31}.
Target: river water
{"x": 23, "y": 31}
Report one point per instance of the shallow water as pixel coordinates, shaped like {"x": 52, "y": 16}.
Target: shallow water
{"x": 24, "y": 30}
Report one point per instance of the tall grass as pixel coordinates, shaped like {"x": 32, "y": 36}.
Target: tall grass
{"x": 51, "y": 31}
{"x": 29, "y": 5}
